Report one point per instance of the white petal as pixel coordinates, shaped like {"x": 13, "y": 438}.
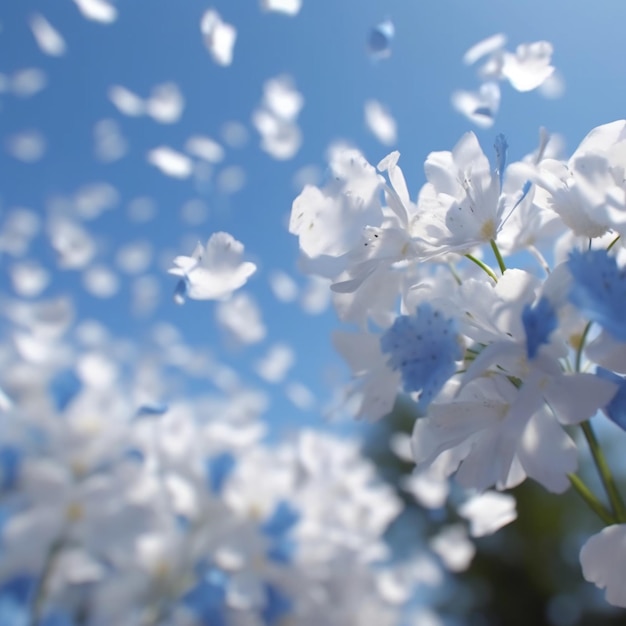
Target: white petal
{"x": 97, "y": 10}
{"x": 603, "y": 560}
{"x": 219, "y": 37}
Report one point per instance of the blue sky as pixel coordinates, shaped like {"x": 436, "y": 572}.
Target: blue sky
{"x": 323, "y": 50}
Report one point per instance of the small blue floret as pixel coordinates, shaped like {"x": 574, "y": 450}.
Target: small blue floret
{"x": 539, "y": 322}
{"x": 615, "y": 410}
{"x": 599, "y": 290}
{"x": 424, "y": 347}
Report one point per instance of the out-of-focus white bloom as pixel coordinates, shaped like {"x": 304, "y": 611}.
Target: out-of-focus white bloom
{"x": 97, "y": 10}
{"x": 219, "y": 37}
{"x": 488, "y": 512}
{"x": 483, "y": 48}
{"x": 110, "y": 144}
{"x": 91, "y": 200}
{"x": 240, "y": 318}
{"x": 166, "y": 103}
{"x": 19, "y": 228}
{"x": 300, "y": 395}
{"x": 28, "y": 82}
{"x": 73, "y": 244}
{"x": 29, "y": 278}
{"x": 315, "y": 296}
{"x": 283, "y": 286}
{"x": 231, "y": 179}
{"x": 480, "y": 107}
{"x": 101, "y": 281}
{"x": 288, "y": 7}
{"x": 273, "y": 367}
{"x": 603, "y": 560}
{"x": 276, "y": 118}
{"x": 126, "y": 101}
{"x": 171, "y": 162}
{"x": 205, "y": 148}
{"x": 234, "y": 134}
{"x": 380, "y": 122}
{"x": 215, "y": 271}
{"x": 47, "y": 37}
{"x": 454, "y": 547}
{"x": 28, "y": 146}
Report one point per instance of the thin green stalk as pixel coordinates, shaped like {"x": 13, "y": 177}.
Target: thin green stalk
{"x": 581, "y": 346}
{"x": 613, "y": 243}
{"x": 483, "y": 267}
{"x": 496, "y": 251}
{"x": 457, "y": 278}
{"x": 592, "y": 502}
{"x": 44, "y": 580}
{"x": 599, "y": 459}
{"x": 605, "y": 473}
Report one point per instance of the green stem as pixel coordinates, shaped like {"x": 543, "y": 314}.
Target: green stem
{"x": 604, "y": 470}
{"x": 457, "y": 278}
{"x": 44, "y": 580}
{"x": 482, "y": 266}
{"x": 496, "y": 251}
{"x": 594, "y": 504}
{"x": 581, "y": 346}
{"x": 613, "y": 243}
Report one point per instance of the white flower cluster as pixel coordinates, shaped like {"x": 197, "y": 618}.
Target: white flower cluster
{"x": 118, "y": 509}
{"x": 500, "y": 362}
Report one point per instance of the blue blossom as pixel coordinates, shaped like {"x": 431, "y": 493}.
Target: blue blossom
{"x": 501, "y": 147}
{"x": 10, "y": 461}
{"x": 207, "y": 599}
{"x": 219, "y": 468}
{"x": 277, "y": 528}
{"x": 64, "y": 387}
{"x": 15, "y": 598}
{"x": 615, "y": 410}
{"x": 424, "y": 347}
{"x": 599, "y": 290}
{"x": 277, "y": 605}
{"x": 539, "y": 322}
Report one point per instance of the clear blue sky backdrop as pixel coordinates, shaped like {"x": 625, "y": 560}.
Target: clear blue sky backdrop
{"x": 323, "y": 48}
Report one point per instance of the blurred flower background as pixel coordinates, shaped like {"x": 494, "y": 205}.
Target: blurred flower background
{"x": 174, "y": 451}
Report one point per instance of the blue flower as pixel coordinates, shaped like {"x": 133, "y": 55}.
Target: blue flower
{"x": 64, "y": 387}
{"x": 424, "y": 347}
{"x": 615, "y": 410}
{"x": 277, "y": 605}
{"x": 207, "y": 599}
{"x": 539, "y": 322}
{"x": 276, "y": 528}
{"x": 599, "y": 290}
{"x": 218, "y": 469}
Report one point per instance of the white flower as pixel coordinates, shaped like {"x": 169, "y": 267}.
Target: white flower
{"x": 214, "y": 272}
{"x": 459, "y": 207}
{"x": 603, "y": 559}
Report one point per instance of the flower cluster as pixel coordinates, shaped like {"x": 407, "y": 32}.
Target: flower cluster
{"x": 116, "y": 508}
{"x": 500, "y": 362}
